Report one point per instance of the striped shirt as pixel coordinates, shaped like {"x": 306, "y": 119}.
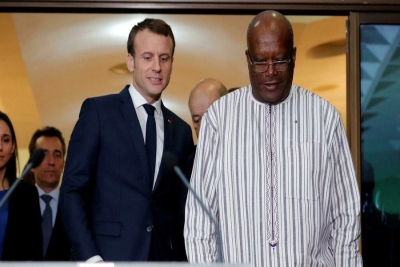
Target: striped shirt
{"x": 280, "y": 182}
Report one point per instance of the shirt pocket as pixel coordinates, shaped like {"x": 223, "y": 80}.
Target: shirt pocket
{"x": 302, "y": 171}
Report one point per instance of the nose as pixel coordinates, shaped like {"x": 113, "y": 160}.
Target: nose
{"x": 156, "y": 65}
{"x": 270, "y": 69}
{"x": 50, "y": 159}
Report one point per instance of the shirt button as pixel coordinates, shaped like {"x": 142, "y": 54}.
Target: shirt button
{"x": 149, "y": 228}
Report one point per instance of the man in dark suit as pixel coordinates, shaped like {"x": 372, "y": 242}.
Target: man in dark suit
{"x": 119, "y": 201}
{"x": 55, "y": 244}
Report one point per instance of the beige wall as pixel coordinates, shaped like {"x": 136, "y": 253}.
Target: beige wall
{"x": 16, "y": 97}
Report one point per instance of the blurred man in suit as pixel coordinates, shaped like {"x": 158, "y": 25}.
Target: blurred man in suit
{"x": 119, "y": 201}
{"x": 203, "y": 94}
{"x": 55, "y": 244}
{"x": 201, "y": 97}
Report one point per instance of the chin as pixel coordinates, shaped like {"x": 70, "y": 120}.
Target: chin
{"x": 157, "y": 90}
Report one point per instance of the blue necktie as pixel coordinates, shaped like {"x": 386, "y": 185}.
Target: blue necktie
{"x": 151, "y": 140}
{"x": 47, "y": 222}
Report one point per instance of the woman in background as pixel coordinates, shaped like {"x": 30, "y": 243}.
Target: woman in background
{"x": 20, "y": 221}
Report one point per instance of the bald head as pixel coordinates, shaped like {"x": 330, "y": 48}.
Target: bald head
{"x": 271, "y": 21}
{"x": 202, "y": 96}
{"x": 270, "y": 39}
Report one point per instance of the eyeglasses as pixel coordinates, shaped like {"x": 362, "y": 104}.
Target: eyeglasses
{"x": 262, "y": 66}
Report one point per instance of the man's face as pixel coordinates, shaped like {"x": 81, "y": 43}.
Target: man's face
{"x": 152, "y": 64}
{"x": 198, "y": 106}
{"x": 48, "y": 173}
{"x": 265, "y": 45}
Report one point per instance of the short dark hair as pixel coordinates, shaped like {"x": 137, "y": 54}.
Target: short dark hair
{"x": 11, "y": 165}
{"x": 47, "y": 131}
{"x": 157, "y": 26}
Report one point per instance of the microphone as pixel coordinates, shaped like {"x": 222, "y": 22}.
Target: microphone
{"x": 34, "y": 161}
{"x": 171, "y": 161}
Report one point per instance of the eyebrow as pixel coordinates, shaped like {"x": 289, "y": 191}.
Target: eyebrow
{"x": 151, "y": 53}
{"x": 56, "y": 150}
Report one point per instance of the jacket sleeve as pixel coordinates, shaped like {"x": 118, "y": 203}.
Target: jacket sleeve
{"x": 78, "y": 179}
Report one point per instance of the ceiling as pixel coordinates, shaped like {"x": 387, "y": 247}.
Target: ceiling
{"x": 49, "y": 63}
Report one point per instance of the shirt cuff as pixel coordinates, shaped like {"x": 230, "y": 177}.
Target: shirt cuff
{"x": 94, "y": 259}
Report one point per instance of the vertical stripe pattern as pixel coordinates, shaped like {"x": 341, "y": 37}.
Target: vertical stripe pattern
{"x": 280, "y": 181}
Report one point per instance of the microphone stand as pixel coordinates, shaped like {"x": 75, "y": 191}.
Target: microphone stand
{"x": 34, "y": 161}
{"x": 27, "y": 168}
{"x": 184, "y": 180}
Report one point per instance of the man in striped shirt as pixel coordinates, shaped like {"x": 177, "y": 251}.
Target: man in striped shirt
{"x": 274, "y": 168}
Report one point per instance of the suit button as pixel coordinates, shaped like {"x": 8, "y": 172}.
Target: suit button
{"x": 149, "y": 228}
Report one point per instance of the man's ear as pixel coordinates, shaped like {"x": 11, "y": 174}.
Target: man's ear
{"x": 130, "y": 62}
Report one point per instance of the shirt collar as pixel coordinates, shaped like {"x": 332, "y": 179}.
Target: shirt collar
{"x": 138, "y": 99}
{"x": 55, "y": 193}
{"x": 291, "y": 92}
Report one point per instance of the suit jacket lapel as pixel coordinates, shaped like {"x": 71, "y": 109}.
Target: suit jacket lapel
{"x": 132, "y": 122}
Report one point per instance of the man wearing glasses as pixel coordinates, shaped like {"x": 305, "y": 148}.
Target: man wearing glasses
{"x": 274, "y": 168}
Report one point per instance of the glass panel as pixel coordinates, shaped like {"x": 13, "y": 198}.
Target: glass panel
{"x": 380, "y": 143}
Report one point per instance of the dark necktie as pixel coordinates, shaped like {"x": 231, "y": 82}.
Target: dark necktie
{"x": 151, "y": 139}
{"x": 47, "y": 222}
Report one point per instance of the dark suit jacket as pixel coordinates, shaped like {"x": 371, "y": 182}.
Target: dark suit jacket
{"x": 107, "y": 202}
{"x": 23, "y": 230}
{"x": 59, "y": 248}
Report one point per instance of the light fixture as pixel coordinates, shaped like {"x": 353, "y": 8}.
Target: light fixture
{"x": 328, "y": 49}
{"x": 120, "y": 69}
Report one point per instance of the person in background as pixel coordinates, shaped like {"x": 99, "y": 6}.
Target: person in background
{"x": 55, "y": 244}
{"x": 201, "y": 97}
{"x": 204, "y": 93}
{"x": 274, "y": 168}
{"x": 119, "y": 200}
{"x": 20, "y": 214}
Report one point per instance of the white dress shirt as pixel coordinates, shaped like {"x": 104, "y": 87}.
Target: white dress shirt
{"x": 138, "y": 102}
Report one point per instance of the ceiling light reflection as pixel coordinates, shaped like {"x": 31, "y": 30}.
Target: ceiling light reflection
{"x": 122, "y": 27}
